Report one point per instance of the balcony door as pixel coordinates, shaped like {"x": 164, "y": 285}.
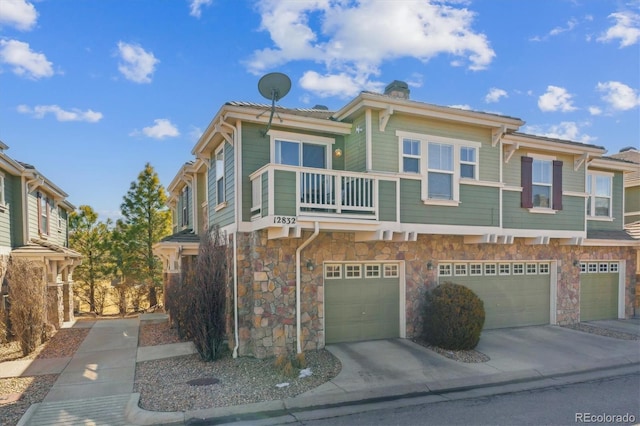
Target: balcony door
{"x": 301, "y": 154}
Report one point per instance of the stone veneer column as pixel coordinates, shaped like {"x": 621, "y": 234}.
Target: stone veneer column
{"x": 55, "y": 307}
{"x": 67, "y": 299}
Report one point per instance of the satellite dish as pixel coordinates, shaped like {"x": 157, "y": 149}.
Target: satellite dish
{"x": 274, "y": 86}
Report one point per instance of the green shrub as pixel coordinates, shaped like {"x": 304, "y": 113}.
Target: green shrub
{"x": 453, "y": 317}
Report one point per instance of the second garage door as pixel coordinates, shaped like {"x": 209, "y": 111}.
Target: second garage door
{"x": 514, "y": 294}
{"x": 598, "y": 290}
{"x": 361, "y": 302}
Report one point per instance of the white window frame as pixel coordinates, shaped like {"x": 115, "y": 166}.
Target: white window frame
{"x": 391, "y": 270}
{"x": 352, "y": 271}
{"x": 301, "y": 139}
{"x": 184, "y": 196}
{"x": 3, "y": 201}
{"x": 547, "y": 159}
{"x": 490, "y": 269}
{"x": 518, "y": 268}
{"x": 411, "y": 156}
{"x": 445, "y": 270}
{"x": 460, "y": 269}
{"x": 603, "y": 267}
{"x": 332, "y": 271}
{"x": 372, "y": 270}
{"x": 614, "y": 267}
{"x": 583, "y": 267}
{"x": 591, "y": 195}
{"x": 425, "y": 139}
{"x": 544, "y": 269}
{"x": 475, "y": 269}
{"x": 469, "y": 163}
{"x": 592, "y": 268}
{"x": 507, "y": 269}
{"x": 531, "y": 269}
{"x": 220, "y": 176}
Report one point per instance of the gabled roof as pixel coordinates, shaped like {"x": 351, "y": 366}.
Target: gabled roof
{"x": 609, "y": 235}
{"x": 39, "y": 248}
{"x": 184, "y": 236}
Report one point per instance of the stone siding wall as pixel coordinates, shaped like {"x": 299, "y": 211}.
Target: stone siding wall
{"x": 55, "y": 306}
{"x": 267, "y": 280}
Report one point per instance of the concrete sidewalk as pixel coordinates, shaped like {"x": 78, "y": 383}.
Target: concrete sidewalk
{"x": 96, "y": 386}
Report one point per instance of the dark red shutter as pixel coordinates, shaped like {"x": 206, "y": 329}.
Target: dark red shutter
{"x": 526, "y": 177}
{"x": 557, "y": 185}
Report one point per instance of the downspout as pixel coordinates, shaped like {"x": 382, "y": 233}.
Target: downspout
{"x": 298, "y": 251}
{"x": 235, "y": 294}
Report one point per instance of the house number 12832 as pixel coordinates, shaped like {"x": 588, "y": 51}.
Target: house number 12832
{"x": 284, "y": 220}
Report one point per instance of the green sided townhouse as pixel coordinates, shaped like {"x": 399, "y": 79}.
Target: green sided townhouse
{"x": 340, "y": 221}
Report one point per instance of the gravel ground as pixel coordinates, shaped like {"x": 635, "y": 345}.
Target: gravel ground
{"x": 588, "y": 328}
{"x": 63, "y": 344}
{"x": 157, "y": 334}
{"x": 471, "y": 356}
{"x": 163, "y": 386}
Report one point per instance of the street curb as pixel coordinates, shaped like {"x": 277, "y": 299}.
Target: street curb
{"x": 27, "y": 414}
{"x": 286, "y": 409}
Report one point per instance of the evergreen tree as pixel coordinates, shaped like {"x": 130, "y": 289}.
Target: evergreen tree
{"x": 147, "y": 220}
{"x": 91, "y": 238}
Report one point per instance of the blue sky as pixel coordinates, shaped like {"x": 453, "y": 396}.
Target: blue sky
{"x": 92, "y": 90}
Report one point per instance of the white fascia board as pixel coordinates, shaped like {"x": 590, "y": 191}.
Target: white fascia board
{"x": 611, "y": 243}
{"x": 381, "y": 102}
{"x": 10, "y": 166}
{"x": 548, "y": 145}
{"x": 602, "y": 163}
{"x": 291, "y": 121}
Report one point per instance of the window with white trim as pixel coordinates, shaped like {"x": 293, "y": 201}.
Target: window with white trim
{"x": 460, "y": 269}
{"x": 43, "y": 214}
{"x": 353, "y": 271}
{"x": 410, "y": 156}
{"x": 295, "y": 149}
{"x": 3, "y": 200}
{"x": 599, "y": 190}
{"x": 542, "y": 180}
{"x": 490, "y": 269}
{"x": 332, "y": 271}
{"x": 614, "y": 267}
{"x": 504, "y": 269}
{"x": 475, "y": 269}
{"x": 543, "y": 268}
{"x": 592, "y": 268}
{"x": 583, "y": 268}
{"x": 444, "y": 269}
{"x": 440, "y": 171}
{"x": 518, "y": 269}
{"x": 372, "y": 271}
{"x": 603, "y": 267}
{"x": 391, "y": 270}
{"x": 468, "y": 162}
{"x": 220, "y": 187}
{"x": 532, "y": 268}
{"x": 184, "y": 201}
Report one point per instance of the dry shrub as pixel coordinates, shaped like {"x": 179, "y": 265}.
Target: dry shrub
{"x": 27, "y": 296}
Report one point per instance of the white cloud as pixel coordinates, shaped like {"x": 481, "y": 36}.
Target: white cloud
{"x": 24, "y": 61}
{"x": 137, "y": 64}
{"x": 627, "y": 29}
{"x": 556, "y": 99}
{"x": 342, "y": 84}
{"x": 75, "y": 114}
{"x": 196, "y": 7}
{"x": 495, "y": 94}
{"x": 161, "y": 129}
{"x": 594, "y": 110}
{"x": 571, "y": 24}
{"x": 353, "y": 39}
{"x": 618, "y": 95}
{"x": 566, "y": 130}
{"x": 19, "y": 14}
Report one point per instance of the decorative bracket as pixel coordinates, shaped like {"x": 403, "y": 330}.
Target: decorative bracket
{"x": 578, "y": 160}
{"x": 508, "y": 153}
{"x": 384, "y": 118}
{"x": 497, "y": 134}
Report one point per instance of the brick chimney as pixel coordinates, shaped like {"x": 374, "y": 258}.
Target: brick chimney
{"x": 397, "y": 89}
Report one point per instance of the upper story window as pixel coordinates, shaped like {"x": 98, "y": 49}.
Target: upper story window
{"x": 43, "y": 214}
{"x": 441, "y": 161}
{"x": 440, "y": 171}
{"x": 411, "y": 156}
{"x": 220, "y": 187}
{"x": 468, "y": 162}
{"x": 599, "y": 190}
{"x": 300, "y": 150}
{"x": 185, "y": 207}
{"x": 3, "y": 200}
{"x": 541, "y": 180}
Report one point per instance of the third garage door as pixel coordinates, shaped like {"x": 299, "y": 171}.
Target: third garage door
{"x": 515, "y": 294}
{"x": 598, "y": 290}
{"x": 362, "y": 302}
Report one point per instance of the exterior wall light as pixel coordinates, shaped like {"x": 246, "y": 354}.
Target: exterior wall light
{"x": 429, "y": 265}
{"x": 310, "y": 265}
{"x": 338, "y": 152}
{"x": 576, "y": 263}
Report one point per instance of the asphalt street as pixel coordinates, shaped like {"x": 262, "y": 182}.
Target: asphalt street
{"x": 586, "y": 403}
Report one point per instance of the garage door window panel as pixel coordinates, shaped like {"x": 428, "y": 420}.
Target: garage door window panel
{"x": 460, "y": 269}
{"x": 475, "y": 269}
{"x": 391, "y": 271}
{"x": 518, "y": 269}
{"x": 504, "y": 269}
{"x": 543, "y": 268}
{"x": 332, "y": 271}
{"x": 444, "y": 270}
{"x": 372, "y": 271}
{"x": 353, "y": 271}
{"x": 603, "y": 268}
{"x": 532, "y": 268}
{"x": 613, "y": 267}
{"x": 490, "y": 269}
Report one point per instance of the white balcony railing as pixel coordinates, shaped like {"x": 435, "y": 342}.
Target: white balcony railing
{"x": 336, "y": 192}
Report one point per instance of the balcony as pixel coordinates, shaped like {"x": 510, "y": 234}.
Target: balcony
{"x": 286, "y": 191}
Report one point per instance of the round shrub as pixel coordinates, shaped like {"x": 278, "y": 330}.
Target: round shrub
{"x": 453, "y": 317}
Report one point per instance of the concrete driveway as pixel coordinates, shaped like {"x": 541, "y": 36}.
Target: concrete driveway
{"x": 398, "y": 366}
